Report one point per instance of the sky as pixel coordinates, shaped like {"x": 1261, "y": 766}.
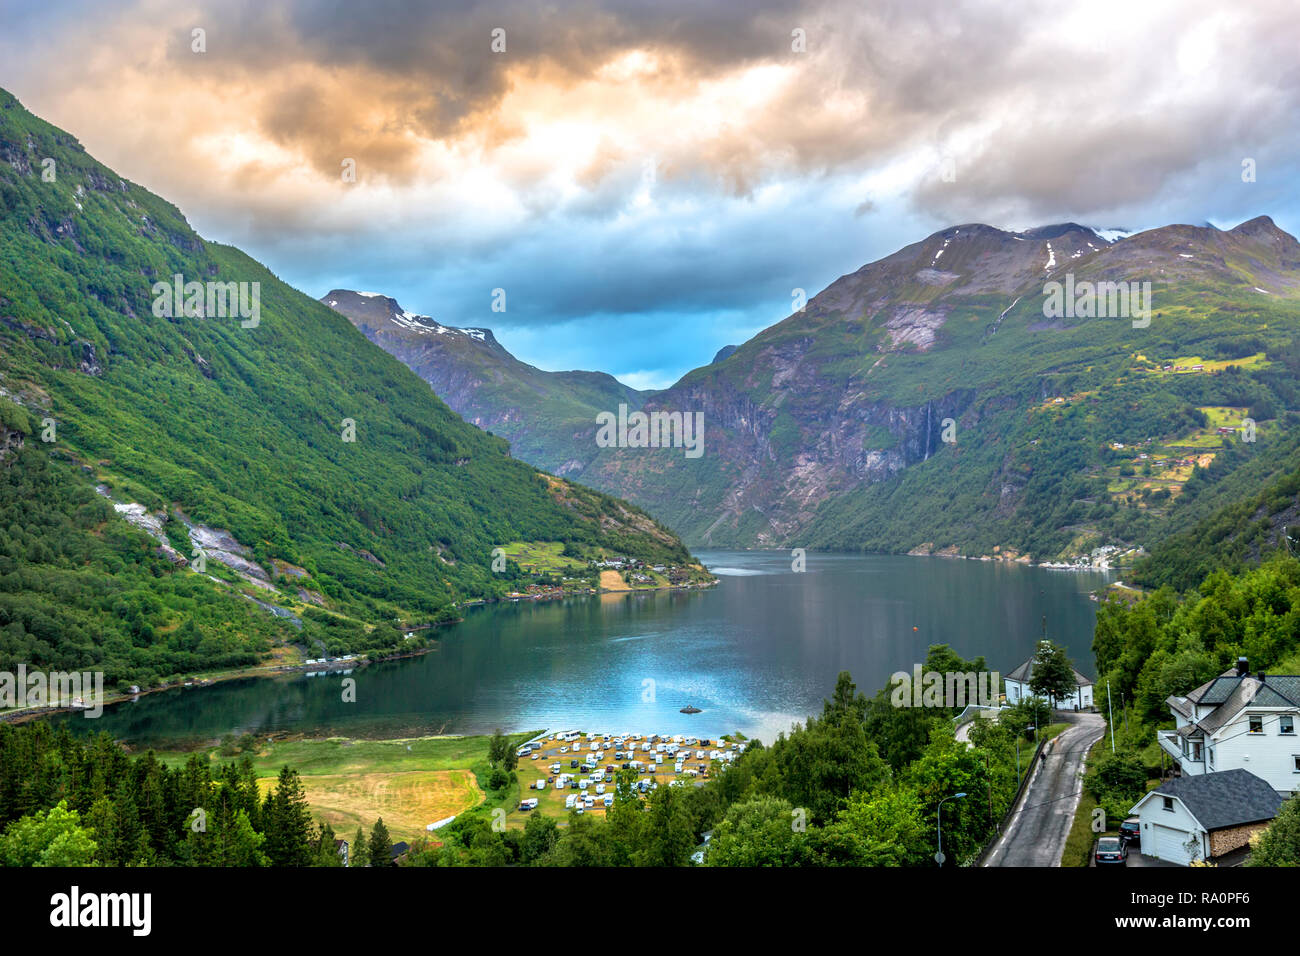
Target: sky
{"x": 649, "y": 181}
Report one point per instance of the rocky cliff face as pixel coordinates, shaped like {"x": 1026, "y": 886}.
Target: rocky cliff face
{"x": 11, "y": 441}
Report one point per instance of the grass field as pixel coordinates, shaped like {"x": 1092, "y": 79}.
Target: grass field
{"x": 542, "y": 557}
{"x": 408, "y": 800}
{"x": 1184, "y": 365}
{"x": 410, "y": 782}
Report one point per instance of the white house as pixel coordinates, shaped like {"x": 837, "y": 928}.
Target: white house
{"x": 1018, "y": 689}
{"x": 1239, "y": 721}
{"x": 1204, "y": 817}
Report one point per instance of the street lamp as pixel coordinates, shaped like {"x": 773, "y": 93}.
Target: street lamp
{"x": 939, "y": 857}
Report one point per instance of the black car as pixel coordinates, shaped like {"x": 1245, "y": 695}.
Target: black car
{"x": 1111, "y": 850}
{"x": 1130, "y": 831}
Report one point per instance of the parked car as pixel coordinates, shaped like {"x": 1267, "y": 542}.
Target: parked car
{"x": 1131, "y": 831}
{"x": 1111, "y": 850}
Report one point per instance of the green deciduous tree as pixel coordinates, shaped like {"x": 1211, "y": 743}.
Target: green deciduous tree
{"x": 48, "y": 838}
{"x": 1279, "y": 845}
{"x": 1053, "y": 674}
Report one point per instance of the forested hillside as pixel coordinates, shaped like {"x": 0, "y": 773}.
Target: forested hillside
{"x": 280, "y": 452}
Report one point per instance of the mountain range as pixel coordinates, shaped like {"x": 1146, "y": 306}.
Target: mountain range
{"x": 945, "y": 399}
{"x": 168, "y": 406}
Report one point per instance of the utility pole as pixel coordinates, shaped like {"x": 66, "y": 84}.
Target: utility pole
{"x": 1111, "y": 714}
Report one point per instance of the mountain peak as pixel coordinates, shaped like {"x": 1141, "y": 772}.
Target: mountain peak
{"x": 1056, "y": 230}
{"x": 375, "y": 310}
{"x": 1260, "y": 227}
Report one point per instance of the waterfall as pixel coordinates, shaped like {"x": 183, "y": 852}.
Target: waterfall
{"x": 927, "y": 432}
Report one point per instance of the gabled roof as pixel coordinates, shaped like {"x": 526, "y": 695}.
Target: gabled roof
{"x": 1242, "y": 694}
{"x": 1230, "y": 693}
{"x": 1215, "y": 690}
{"x": 1026, "y": 670}
{"x": 1287, "y": 686}
{"x": 1227, "y": 799}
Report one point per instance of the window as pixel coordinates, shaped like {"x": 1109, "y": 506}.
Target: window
{"x": 1196, "y": 750}
{"x": 1169, "y": 801}
{"x": 1296, "y": 759}
{"x": 1286, "y": 724}
{"x": 1256, "y": 724}
{"x": 1210, "y": 752}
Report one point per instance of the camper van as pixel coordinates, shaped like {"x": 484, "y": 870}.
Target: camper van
{"x": 570, "y": 800}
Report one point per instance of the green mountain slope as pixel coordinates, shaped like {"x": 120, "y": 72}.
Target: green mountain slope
{"x": 1068, "y": 432}
{"x": 549, "y": 418}
{"x": 232, "y": 437}
{"x": 1243, "y": 532}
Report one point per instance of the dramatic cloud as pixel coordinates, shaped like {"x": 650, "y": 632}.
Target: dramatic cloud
{"x": 649, "y": 180}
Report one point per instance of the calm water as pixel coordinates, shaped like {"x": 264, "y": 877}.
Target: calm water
{"x": 756, "y": 653}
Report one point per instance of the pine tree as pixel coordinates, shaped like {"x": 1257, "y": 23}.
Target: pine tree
{"x": 326, "y": 853}
{"x": 287, "y": 822}
{"x": 243, "y": 845}
{"x": 358, "y": 853}
{"x": 381, "y": 845}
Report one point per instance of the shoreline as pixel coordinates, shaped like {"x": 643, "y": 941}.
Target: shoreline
{"x": 209, "y": 678}
{"x": 1019, "y": 560}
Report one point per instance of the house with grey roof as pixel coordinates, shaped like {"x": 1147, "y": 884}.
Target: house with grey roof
{"x": 1018, "y": 689}
{"x": 1238, "y": 721}
{"x": 1203, "y": 817}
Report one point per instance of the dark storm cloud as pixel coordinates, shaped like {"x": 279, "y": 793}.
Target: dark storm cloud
{"x": 661, "y": 166}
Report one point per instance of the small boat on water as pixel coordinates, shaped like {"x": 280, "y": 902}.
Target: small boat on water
{"x": 688, "y": 709}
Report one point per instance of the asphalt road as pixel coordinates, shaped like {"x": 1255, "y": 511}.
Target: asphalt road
{"x": 1036, "y": 834}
